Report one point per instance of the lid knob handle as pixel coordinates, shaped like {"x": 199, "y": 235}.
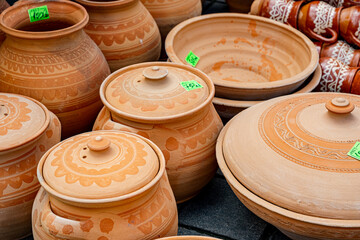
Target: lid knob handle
{"x": 99, "y": 143}
{"x": 340, "y": 105}
{"x": 155, "y": 73}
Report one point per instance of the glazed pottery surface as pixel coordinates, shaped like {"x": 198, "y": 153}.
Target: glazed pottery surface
{"x": 228, "y": 108}
{"x": 124, "y": 31}
{"x": 102, "y": 185}
{"x": 27, "y": 131}
{"x": 320, "y": 21}
{"x": 247, "y": 57}
{"x": 53, "y": 61}
{"x": 149, "y": 100}
{"x": 342, "y": 3}
{"x": 288, "y": 179}
{"x": 169, "y": 13}
{"x": 340, "y": 51}
{"x": 349, "y": 25}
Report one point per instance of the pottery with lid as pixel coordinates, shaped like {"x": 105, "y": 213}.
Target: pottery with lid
{"x": 102, "y": 185}
{"x": 150, "y": 99}
{"x": 286, "y": 159}
{"x": 27, "y": 130}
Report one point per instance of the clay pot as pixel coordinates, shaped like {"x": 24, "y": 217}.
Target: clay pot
{"x": 285, "y": 11}
{"x": 53, "y": 61}
{"x": 340, "y": 51}
{"x": 336, "y": 76}
{"x": 148, "y": 99}
{"x": 342, "y": 3}
{"x": 247, "y": 57}
{"x": 349, "y": 25}
{"x": 286, "y": 160}
{"x": 239, "y": 6}
{"x": 169, "y": 13}
{"x": 320, "y": 21}
{"x": 102, "y": 185}
{"x": 227, "y": 108}
{"x": 27, "y": 131}
{"x": 124, "y": 31}
{"x": 189, "y": 238}
{"x": 3, "y": 5}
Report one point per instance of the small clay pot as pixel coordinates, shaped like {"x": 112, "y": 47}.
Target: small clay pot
{"x": 349, "y": 25}
{"x": 336, "y": 76}
{"x": 242, "y": 6}
{"x": 320, "y": 21}
{"x": 279, "y": 10}
{"x": 341, "y": 51}
{"x": 27, "y": 130}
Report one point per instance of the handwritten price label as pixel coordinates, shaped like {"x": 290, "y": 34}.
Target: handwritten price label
{"x": 192, "y": 59}
{"x": 191, "y": 85}
{"x": 355, "y": 151}
{"x": 39, "y": 13}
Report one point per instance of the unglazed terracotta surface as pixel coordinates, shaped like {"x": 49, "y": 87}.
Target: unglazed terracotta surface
{"x": 243, "y": 56}
{"x": 184, "y": 124}
{"x": 341, "y": 51}
{"x": 124, "y": 31}
{"x": 53, "y": 61}
{"x": 323, "y": 182}
{"x": 228, "y": 108}
{"x": 27, "y": 131}
{"x": 349, "y": 25}
{"x": 169, "y": 13}
{"x": 146, "y": 210}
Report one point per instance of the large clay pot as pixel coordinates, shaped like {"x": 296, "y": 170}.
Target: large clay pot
{"x": 104, "y": 185}
{"x": 286, "y": 160}
{"x": 3, "y": 5}
{"x": 148, "y": 99}
{"x": 349, "y": 25}
{"x": 169, "y": 13}
{"x": 124, "y": 31}
{"x": 53, "y": 61}
{"x": 320, "y": 21}
{"x": 27, "y": 131}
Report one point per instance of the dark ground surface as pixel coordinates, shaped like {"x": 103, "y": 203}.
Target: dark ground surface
{"x": 216, "y": 211}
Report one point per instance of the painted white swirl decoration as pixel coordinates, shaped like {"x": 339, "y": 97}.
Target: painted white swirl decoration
{"x": 357, "y": 33}
{"x": 343, "y": 52}
{"x": 333, "y": 76}
{"x": 324, "y": 17}
{"x": 280, "y": 10}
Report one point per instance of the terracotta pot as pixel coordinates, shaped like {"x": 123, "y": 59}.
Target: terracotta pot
{"x": 336, "y": 76}
{"x": 189, "y": 238}
{"x": 184, "y": 124}
{"x": 285, "y": 11}
{"x": 27, "y": 131}
{"x": 53, "y": 61}
{"x": 169, "y": 13}
{"x": 228, "y": 108}
{"x": 124, "y": 31}
{"x": 342, "y": 3}
{"x": 3, "y": 5}
{"x": 247, "y": 57}
{"x": 340, "y": 51}
{"x": 304, "y": 183}
{"x": 355, "y": 87}
{"x": 239, "y": 6}
{"x": 349, "y": 25}
{"x": 320, "y": 21}
{"x": 102, "y": 185}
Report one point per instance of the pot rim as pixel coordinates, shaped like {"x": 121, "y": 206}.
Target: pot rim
{"x": 153, "y": 120}
{"x": 69, "y": 199}
{"x": 38, "y": 134}
{"x": 113, "y": 3}
{"x": 46, "y": 34}
{"x": 257, "y": 200}
{"x": 301, "y": 76}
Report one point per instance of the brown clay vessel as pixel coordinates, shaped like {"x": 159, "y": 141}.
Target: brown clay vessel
{"x": 349, "y": 25}
{"x": 341, "y": 3}
{"x": 104, "y": 185}
{"x": 27, "y": 131}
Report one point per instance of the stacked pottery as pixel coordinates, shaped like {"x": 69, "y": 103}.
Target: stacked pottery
{"x": 249, "y": 58}
{"x": 53, "y": 61}
{"x": 287, "y": 161}
{"x": 104, "y": 185}
{"x": 3, "y": 5}
{"x": 125, "y": 31}
{"x": 170, "y": 104}
{"x": 27, "y": 131}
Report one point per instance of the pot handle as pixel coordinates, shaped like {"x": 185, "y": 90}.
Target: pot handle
{"x": 332, "y": 32}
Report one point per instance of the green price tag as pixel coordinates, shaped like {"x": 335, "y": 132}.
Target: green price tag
{"x": 39, "y": 13}
{"x": 192, "y": 59}
{"x": 191, "y": 85}
{"x": 355, "y": 151}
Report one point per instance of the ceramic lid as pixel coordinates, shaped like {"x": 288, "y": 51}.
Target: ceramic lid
{"x": 100, "y": 164}
{"x": 21, "y": 120}
{"x": 292, "y": 152}
{"x": 153, "y": 91}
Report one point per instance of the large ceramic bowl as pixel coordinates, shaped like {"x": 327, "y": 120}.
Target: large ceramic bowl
{"x": 247, "y": 57}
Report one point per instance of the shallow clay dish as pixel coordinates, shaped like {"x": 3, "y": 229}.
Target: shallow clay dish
{"x": 228, "y": 108}
{"x": 294, "y": 171}
{"x": 247, "y": 57}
